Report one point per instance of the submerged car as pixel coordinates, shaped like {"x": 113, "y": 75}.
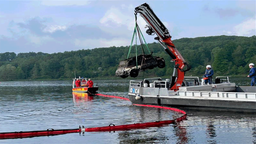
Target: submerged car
{"x": 131, "y": 67}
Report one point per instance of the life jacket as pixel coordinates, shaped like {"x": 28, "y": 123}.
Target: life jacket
{"x": 90, "y": 83}
{"x": 78, "y": 83}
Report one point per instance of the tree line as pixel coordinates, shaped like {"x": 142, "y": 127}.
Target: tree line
{"x": 228, "y": 55}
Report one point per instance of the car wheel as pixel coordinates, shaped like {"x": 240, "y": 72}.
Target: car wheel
{"x": 161, "y": 64}
{"x": 134, "y": 73}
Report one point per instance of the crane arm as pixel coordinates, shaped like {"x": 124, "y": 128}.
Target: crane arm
{"x": 155, "y": 26}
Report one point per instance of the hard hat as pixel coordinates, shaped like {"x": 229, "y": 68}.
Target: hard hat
{"x": 205, "y": 78}
{"x": 251, "y": 64}
{"x": 208, "y": 66}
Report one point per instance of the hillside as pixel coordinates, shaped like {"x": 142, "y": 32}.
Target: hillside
{"x": 228, "y": 55}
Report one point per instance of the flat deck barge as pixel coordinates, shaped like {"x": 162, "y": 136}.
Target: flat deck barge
{"x": 222, "y": 96}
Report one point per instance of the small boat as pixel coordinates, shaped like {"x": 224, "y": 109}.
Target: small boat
{"x": 83, "y": 88}
{"x": 194, "y": 94}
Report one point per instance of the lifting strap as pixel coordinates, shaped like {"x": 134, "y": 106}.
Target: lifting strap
{"x": 138, "y": 32}
{"x": 134, "y": 32}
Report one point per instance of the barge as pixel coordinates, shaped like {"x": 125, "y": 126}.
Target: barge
{"x": 222, "y": 95}
{"x": 179, "y": 91}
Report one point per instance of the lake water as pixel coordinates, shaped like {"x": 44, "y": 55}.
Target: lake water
{"x": 41, "y": 105}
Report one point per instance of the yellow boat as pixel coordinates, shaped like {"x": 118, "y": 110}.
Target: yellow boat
{"x": 83, "y": 89}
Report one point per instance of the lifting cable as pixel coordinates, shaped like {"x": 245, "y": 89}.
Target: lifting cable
{"x": 111, "y": 127}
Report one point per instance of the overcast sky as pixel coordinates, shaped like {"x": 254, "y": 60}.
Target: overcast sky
{"x": 52, "y": 26}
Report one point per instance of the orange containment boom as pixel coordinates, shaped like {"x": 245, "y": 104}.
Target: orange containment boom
{"x": 26, "y": 134}
{"x": 130, "y": 126}
{"x": 111, "y": 127}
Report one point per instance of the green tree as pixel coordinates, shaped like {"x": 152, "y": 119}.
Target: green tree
{"x": 7, "y": 72}
{"x": 35, "y": 72}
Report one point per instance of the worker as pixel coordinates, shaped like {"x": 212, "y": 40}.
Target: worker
{"x": 90, "y": 83}
{"x": 83, "y": 83}
{"x": 78, "y": 83}
{"x": 252, "y": 73}
{"x": 208, "y": 74}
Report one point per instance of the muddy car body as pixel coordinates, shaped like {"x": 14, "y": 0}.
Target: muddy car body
{"x": 131, "y": 67}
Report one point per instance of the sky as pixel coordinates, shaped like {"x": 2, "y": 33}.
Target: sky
{"x": 52, "y": 26}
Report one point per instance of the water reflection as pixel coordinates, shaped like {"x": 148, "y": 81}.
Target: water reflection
{"x": 181, "y": 132}
{"x": 81, "y": 98}
{"x": 254, "y": 132}
{"x": 211, "y": 129}
{"x": 221, "y": 126}
{"x": 154, "y": 135}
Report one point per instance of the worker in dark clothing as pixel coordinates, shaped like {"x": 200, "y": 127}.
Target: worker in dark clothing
{"x": 252, "y": 74}
{"x": 208, "y": 74}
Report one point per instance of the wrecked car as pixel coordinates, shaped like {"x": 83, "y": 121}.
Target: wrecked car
{"x": 131, "y": 67}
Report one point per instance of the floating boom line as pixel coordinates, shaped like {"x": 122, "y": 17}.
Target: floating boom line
{"x": 111, "y": 127}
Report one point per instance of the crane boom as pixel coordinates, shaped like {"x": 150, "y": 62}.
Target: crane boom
{"x": 155, "y": 26}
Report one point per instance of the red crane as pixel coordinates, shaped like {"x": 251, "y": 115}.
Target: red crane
{"x": 155, "y": 26}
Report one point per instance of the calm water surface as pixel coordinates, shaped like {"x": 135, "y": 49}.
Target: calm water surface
{"x": 41, "y": 105}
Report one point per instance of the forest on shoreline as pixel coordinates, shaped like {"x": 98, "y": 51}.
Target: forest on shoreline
{"x": 228, "y": 55}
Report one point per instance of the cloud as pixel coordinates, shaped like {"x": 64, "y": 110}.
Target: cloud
{"x": 249, "y": 5}
{"x": 121, "y": 21}
{"x": 39, "y": 40}
{"x": 113, "y": 15}
{"x": 221, "y": 12}
{"x": 225, "y": 13}
{"x": 34, "y": 25}
{"x": 53, "y": 28}
{"x": 41, "y": 27}
{"x": 59, "y": 25}
{"x": 38, "y": 35}
{"x": 228, "y": 9}
{"x": 85, "y": 31}
{"x": 101, "y": 42}
{"x": 117, "y": 16}
{"x": 118, "y": 22}
{"x": 246, "y": 28}
{"x": 65, "y": 2}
